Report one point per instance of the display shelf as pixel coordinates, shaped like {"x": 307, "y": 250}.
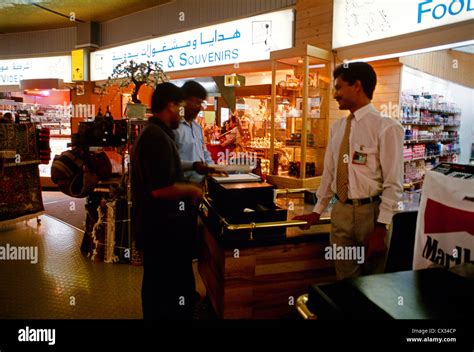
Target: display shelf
{"x": 415, "y": 182}
{"x": 428, "y": 116}
{"x": 305, "y": 116}
{"x": 407, "y": 122}
{"x": 440, "y": 111}
{"x": 411, "y": 141}
{"x": 432, "y": 157}
{"x": 299, "y": 146}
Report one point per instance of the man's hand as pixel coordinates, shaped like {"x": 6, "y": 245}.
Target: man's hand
{"x": 202, "y": 168}
{"x": 311, "y": 219}
{"x": 375, "y": 243}
{"x": 194, "y": 193}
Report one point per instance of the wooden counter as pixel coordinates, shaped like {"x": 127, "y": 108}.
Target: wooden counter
{"x": 257, "y": 280}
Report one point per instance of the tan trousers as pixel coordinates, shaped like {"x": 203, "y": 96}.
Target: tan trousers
{"x": 350, "y": 226}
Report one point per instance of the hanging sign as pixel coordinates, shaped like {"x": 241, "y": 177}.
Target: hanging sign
{"x": 245, "y": 40}
{"x": 77, "y": 65}
{"x": 360, "y": 21}
{"x": 14, "y": 70}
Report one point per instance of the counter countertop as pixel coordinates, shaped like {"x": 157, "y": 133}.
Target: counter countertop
{"x": 295, "y": 205}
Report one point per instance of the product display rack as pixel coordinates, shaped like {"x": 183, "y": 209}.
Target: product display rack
{"x": 431, "y": 135}
{"x": 119, "y": 186}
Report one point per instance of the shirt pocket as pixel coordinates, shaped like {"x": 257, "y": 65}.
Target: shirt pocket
{"x": 371, "y": 153}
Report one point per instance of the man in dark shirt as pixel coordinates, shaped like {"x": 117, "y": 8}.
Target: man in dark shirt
{"x": 160, "y": 221}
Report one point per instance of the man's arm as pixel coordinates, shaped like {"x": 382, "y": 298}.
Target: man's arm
{"x": 207, "y": 156}
{"x": 178, "y": 191}
{"x": 391, "y": 162}
{"x": 198, "y": 166}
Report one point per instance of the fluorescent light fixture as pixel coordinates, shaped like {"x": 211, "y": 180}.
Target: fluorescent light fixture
{"x": 465, "y": 49}
{"x": 317, "y": 66}
{"x": 414, "y": 52}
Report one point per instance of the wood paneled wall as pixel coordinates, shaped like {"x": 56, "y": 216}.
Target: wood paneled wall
{"x": 387, "y": 92}
{"x": 165, "y": 19}
{"x": 314, "y": 23}
{"x": 451, "y": 65}
{"x": 29, "y": 44}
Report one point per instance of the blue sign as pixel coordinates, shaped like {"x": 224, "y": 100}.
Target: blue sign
{"x": 454, "y": 8}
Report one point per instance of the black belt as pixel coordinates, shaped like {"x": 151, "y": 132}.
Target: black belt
{"x": 361, "y": 201}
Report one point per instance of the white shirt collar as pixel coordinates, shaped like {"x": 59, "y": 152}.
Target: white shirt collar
{"x": 364, "y": 111}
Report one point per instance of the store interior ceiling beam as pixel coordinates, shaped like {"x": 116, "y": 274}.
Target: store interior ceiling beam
{"x": 57, "y": 13}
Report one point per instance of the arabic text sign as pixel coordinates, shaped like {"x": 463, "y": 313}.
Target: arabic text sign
{"x": 250, "y": 39}
{"x": 360, "y": 21}
{"x": 13, "y": 71}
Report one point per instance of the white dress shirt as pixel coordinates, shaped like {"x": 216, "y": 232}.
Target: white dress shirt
{"x": 191, "y": 147}
{"x": 381, "y": 139}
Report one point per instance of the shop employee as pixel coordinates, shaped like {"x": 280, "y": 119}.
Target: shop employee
{"x": 363, "y": 169}
{"x": 189, "y": 137}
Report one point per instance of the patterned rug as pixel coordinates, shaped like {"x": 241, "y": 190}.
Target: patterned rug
{"x": 21, "y": 140}
{"x": 20, "y": 189}
{"x": 20, "y": 193}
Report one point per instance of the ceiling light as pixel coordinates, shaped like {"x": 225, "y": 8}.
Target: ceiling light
{"x": 45, "y": 83}
{"x": 317, "y": 66}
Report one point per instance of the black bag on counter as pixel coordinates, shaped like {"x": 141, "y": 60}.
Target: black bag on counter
{"x": 120, "y": 134}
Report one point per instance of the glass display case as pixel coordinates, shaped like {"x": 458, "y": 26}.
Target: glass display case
{"x": 299, "y": 117}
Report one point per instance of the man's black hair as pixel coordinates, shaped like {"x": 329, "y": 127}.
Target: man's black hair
{"x": 361, "y": 71}
{"x": 194, "y": 89}
{"x": 165, "y": 93}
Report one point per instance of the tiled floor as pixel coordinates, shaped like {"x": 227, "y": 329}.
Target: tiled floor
{"x": 65, "y": 208}
{"x": 64, "y": 284}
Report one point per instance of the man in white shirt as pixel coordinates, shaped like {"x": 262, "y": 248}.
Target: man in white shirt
{"x": 363, "y": 169}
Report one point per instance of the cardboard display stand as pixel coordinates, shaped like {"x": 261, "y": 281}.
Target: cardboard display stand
{"x": 445, "y": 225}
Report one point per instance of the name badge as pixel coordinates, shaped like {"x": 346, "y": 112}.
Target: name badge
{"x": 359, "y": 158}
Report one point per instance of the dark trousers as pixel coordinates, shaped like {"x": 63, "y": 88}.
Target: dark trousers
{"x": 168, "y": 288}
{"x": 168, "y": 291}
{"x": 193, "y": 228}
